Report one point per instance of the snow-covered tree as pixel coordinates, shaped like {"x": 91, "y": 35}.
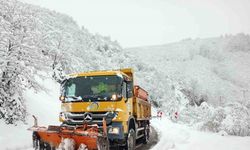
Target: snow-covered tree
{"x": 18, "y": 59}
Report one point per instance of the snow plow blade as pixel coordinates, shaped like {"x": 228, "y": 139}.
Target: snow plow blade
{"x": 78, "y": 138}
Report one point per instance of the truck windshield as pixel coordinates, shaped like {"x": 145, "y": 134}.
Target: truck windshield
{"x": 92, "y": 88}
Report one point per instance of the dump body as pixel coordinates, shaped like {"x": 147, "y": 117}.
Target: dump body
{"x": 140, "y": 93}
{"x": 142, "y": 107}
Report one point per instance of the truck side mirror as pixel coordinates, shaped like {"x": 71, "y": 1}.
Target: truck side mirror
{"x": 124, "y": 91}
{"x": 130, "y": 89}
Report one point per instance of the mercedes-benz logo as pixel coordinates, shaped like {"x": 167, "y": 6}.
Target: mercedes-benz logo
{"x": 87, "y": 117}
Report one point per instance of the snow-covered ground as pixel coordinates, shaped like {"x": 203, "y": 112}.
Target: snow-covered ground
{"x": 172, "y": 136}
{"x": 175, "y": 136}
{"x": 44, "y": 105}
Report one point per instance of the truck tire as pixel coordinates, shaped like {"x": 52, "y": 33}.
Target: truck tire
{"x": 36, "y": 140}
{"x": 103, "y": 143}
{"x": 146, "y": 134}
{"x": 47, "y": 146}
{"x": 131, "y": 140}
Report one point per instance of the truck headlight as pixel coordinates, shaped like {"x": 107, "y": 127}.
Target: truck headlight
{"x": 114, "y": 130}
{"x": 114, "y": 97}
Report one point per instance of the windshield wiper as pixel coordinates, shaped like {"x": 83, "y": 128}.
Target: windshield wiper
{"x": 74, "y": 98}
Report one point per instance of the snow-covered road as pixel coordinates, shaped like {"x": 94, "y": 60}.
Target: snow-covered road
{"x": 175, "y": 136}
{"x": 172, "y": 136}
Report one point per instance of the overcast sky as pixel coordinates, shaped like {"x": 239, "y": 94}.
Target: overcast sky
{"x": 152, "y": 22}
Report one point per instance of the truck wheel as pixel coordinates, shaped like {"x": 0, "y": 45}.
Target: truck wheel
{"x": 131, "y": 140}
{"x": 36, "y": 140}
{"x": 102, "y": 143}
{"x": 146, "y": 134}
{"x": 47, "y": 146}
{"x": 41, "y": 145}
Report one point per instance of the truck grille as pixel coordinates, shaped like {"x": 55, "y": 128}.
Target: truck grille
{"x": 73, "y": 118}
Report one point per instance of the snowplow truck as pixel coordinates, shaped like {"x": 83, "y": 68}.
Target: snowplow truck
{"x": 99, "y": 110}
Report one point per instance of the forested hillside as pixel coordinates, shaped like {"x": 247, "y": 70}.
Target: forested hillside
{"x": 212, "y": 75}
{"x": 39, "y": 43}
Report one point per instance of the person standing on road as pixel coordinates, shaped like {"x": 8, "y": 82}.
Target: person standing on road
{"x": 159, "y": 114}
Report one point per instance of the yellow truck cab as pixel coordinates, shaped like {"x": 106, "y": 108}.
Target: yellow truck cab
{"x": 91, "y": 96}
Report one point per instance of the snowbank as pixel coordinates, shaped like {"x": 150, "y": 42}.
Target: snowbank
{"x": 44, "y": 105}
{"x": 175, "y": 136}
